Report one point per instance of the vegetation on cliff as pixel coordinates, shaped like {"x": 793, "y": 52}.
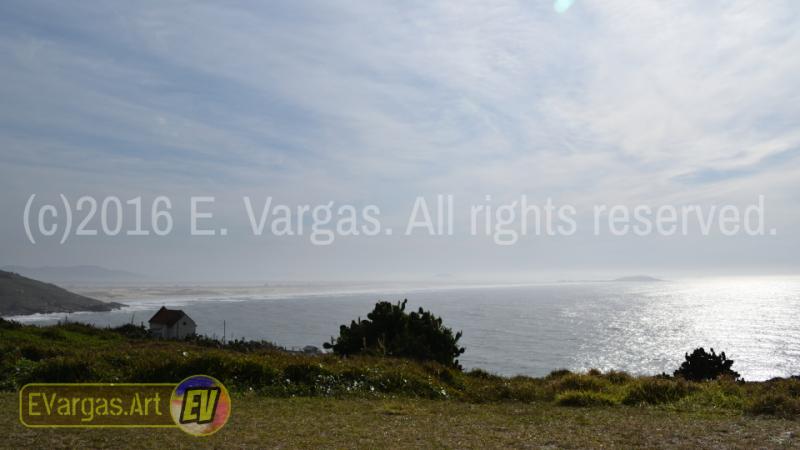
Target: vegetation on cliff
{"x": 20, "y": 295}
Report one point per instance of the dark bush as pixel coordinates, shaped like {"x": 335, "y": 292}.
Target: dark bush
{"x": 53, "y": 334}
{"x": 390, "y": 331}
{"x": 9, "y": 324}
{"x": 307, "y": 373}
{"x": 702, "y": 366}
{"x": 132, "y": 331}
{"x": 37, "y": 353}
{"x": 59, "y": 370}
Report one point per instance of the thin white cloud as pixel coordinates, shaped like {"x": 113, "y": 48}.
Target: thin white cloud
{"x": 611, "y": 101}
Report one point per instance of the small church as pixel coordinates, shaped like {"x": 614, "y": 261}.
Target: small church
{"x": 171, "y": 324}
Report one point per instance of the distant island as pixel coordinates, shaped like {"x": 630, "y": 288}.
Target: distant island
{"x": 638, "y": 278}
{"x": 20, "y": 295}
{"x": 628, "y": 279}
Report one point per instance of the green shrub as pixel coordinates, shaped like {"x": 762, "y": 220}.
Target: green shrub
{"x": 306, "y": 373}
{"x": 524, "y": 389}
{"x": 9, "y": 324}
{"x": 251, "y": 374}
{"x": 711, "y": 396}
{"x": 152, "y": 368}
{"x": 528, "y": 389}
{"x": 37, "y": 352}
{"x": 238, "y": 345}
{"x": 655, "y": 391}
{"x": 210, "y": 364}
{"x": 20, "y": 373}
{"x": 618, "y": 377}
{"x": 584, "y": 399}
{"x": 406, "y": 382}
{"x": 132, "y": 331}
{"x": 792, "y": 386}
{"x": 558, "y": 373}
{"x": 53, "y": 334}
{"x": 789, "y": 387}
{"x": 85, "y": 329}
{"x": 773, "y": 404}
{"x": 161, "y": 367}
{"x": 355, "y": 374}
{"x": 58, "y": 370}
{"x": 390, "y": 331}
{"x": 482, "y": 393}
{"x": 444, "y": 374}
{"x": 484, "y": 375}
{"x": 578, "y": 382}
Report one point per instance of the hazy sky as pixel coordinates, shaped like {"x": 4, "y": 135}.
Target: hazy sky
{"x": 597, "y": 102}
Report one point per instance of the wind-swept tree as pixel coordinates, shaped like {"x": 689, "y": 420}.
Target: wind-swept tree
{"x": 702, "y": 366}
{"x": 390, "y": 331}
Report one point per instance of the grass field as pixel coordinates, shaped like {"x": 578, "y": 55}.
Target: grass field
{"x": 259, "y": 422}
{"x": 289, "y": 400}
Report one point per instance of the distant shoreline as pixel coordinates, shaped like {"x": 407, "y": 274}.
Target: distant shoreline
{"x": 20, "y": 296}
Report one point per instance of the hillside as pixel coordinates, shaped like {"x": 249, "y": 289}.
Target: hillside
{"x": 75, "y": 274}
{"x": 20, "y": 295}
{"x": 288, "y": 400}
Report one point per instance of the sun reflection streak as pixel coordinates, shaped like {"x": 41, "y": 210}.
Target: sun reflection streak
{"x": 754, "y": 320}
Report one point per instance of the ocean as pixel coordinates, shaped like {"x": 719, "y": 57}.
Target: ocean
{"x": 642, "y": 328}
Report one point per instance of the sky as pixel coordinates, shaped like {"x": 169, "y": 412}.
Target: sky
{"x": 586, "y": 102}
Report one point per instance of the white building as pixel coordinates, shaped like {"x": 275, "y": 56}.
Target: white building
{"x": 171, "y": 324}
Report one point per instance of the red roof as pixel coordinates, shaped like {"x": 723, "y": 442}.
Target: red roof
{"x": 167, "y": 316}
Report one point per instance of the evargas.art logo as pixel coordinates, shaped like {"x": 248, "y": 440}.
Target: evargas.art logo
{"x": 200, "y": 405}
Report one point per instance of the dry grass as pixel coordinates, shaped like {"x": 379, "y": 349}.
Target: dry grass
{"x": 259, "y": 422}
